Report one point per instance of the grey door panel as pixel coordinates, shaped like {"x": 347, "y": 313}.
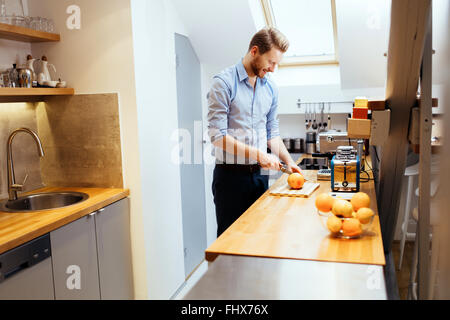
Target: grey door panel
{"x": 192, "y": 174}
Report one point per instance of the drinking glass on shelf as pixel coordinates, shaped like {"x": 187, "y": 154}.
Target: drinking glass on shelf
{"x": 50, "y": 25}
{"x": 27, "y": 22}
{"x": 18, "y": 21}
{"x": 3, "y": 17}
{"x": 44, "y": 24}
{"x": 35, "y": 23}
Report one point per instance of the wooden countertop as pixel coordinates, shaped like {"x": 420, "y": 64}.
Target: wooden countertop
{"x": 19, "y": 228}
{"x": 289, "y": 227}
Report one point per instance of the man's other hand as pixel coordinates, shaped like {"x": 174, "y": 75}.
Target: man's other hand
{"x": 294, "y": 168}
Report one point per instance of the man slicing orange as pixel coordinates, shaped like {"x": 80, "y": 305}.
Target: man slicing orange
{"x": 242, "y": 124}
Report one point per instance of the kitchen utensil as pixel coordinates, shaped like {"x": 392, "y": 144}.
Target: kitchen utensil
{"x": 45, "y": 74}
{"x": 309, "y": 115}
{"x": 322, "y": 121}
{"x": 329, "y": 141}
{"x": 306, "y": 117}
{"x": 297, "y": 145}
{"x": 25, "y": 77}
{"x": 30, "y": 66}
{"x": 305, "y": 192}
{"x": 52, "y": 83}
{"x": 283, "y": 168}
{"x": 13, "y": 77}
{"x": 311, "y": 142}
{"x": 314, "y": 124}
{"x": 288, "y": 144}
{"x": 345, "y": 170}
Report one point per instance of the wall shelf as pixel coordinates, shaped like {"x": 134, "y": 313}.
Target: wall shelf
{"x": 22, "y": 34}
{"x": 32, "y": 94}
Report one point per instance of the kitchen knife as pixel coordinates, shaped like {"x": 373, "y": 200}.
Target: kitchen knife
{"x": 283, "y": 168}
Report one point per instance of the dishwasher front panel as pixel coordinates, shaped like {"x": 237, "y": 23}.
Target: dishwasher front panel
{"x": 33, "y": 283}
{"x": 26, "y": 272}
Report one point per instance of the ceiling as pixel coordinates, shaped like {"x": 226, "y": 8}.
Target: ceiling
{"x": 220, "y": 31}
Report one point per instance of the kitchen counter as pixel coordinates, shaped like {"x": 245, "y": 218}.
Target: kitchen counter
{"x": 19, "y": 228}
{"x": 249, "y": 278}
{"x": 289, "y": 227}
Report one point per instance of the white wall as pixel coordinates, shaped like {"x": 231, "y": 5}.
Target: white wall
{"x": 154, "y": 25}
{"x": 98, "y": 58}
{"x": 363, "y": 36}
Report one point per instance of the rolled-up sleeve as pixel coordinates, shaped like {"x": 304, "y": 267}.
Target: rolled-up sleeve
{"x": 218, "y": 104}
{"x": 272, "y": 125}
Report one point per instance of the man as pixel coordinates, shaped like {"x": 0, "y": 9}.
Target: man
{"x": 242, "y": 124}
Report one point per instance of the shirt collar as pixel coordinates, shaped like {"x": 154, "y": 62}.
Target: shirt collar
{"x": 243, "y": 73}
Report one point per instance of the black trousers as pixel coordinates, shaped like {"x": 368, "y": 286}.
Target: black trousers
{"x": 234, "y": 192}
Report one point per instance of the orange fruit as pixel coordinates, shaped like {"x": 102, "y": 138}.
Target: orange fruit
{"x": 334, "y": 224}
{"x": 342, "y": 208}
{"x": 296, "y": 180}
{"x": 364, "y": 215}
{"x": 351, "y": 227}
{"x": 324, "y": 202}
{"x": 360, "y": 200}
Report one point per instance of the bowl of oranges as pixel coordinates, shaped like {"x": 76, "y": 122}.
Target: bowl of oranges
{"x": 343, "y": 218}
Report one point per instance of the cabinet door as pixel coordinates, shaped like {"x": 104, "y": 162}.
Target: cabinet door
{"x": 114, "y": 251}
{"x": 74, "y": 256}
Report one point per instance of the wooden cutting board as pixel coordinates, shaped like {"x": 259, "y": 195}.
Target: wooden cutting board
{"x": 285, "y": 190}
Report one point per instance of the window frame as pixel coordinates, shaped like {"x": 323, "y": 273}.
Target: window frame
{"x": 310, "y": 60}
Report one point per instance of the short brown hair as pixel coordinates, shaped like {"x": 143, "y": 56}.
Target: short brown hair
{"x": 267, "y": 38}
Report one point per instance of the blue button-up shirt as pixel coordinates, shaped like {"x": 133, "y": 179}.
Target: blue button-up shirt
{"x": 239, "y": 110}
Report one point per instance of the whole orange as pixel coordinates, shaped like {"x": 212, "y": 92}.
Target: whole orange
{"x": 324, "y": 202}
{"x": 351, "y": 227}
{"x": 334, "y": 224}
{"x": 342, "y": 208}
{"x": 360, "y": 200}
{"x": 296, "y": 180}
{"x": 364, "y": 215}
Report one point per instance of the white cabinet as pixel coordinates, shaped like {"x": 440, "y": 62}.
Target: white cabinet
{"x": 112, "y": 225}
{"x": 75, "y": 263}
{"x": 92, "y": 255}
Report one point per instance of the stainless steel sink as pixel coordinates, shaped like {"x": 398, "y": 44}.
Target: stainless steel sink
{"x": 43, "y": 201}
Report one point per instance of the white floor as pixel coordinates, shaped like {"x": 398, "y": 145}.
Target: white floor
{"x": 191, "y": 281}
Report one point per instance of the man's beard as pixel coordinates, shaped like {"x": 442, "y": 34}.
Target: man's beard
{"x": 256, "y": 69}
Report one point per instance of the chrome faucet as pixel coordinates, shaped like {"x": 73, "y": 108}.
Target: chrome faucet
{"x": 12, "y": 186}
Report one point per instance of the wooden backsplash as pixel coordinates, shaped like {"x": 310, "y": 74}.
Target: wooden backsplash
{"x": 25, "y": 156}
{"x": 81, "y": 139}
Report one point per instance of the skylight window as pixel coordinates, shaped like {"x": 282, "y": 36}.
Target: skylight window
{"x": 310, "y": 27}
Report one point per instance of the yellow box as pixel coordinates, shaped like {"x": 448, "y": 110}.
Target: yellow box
{"x": 361, "y": 102}
{"x": 359, "y": 128}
